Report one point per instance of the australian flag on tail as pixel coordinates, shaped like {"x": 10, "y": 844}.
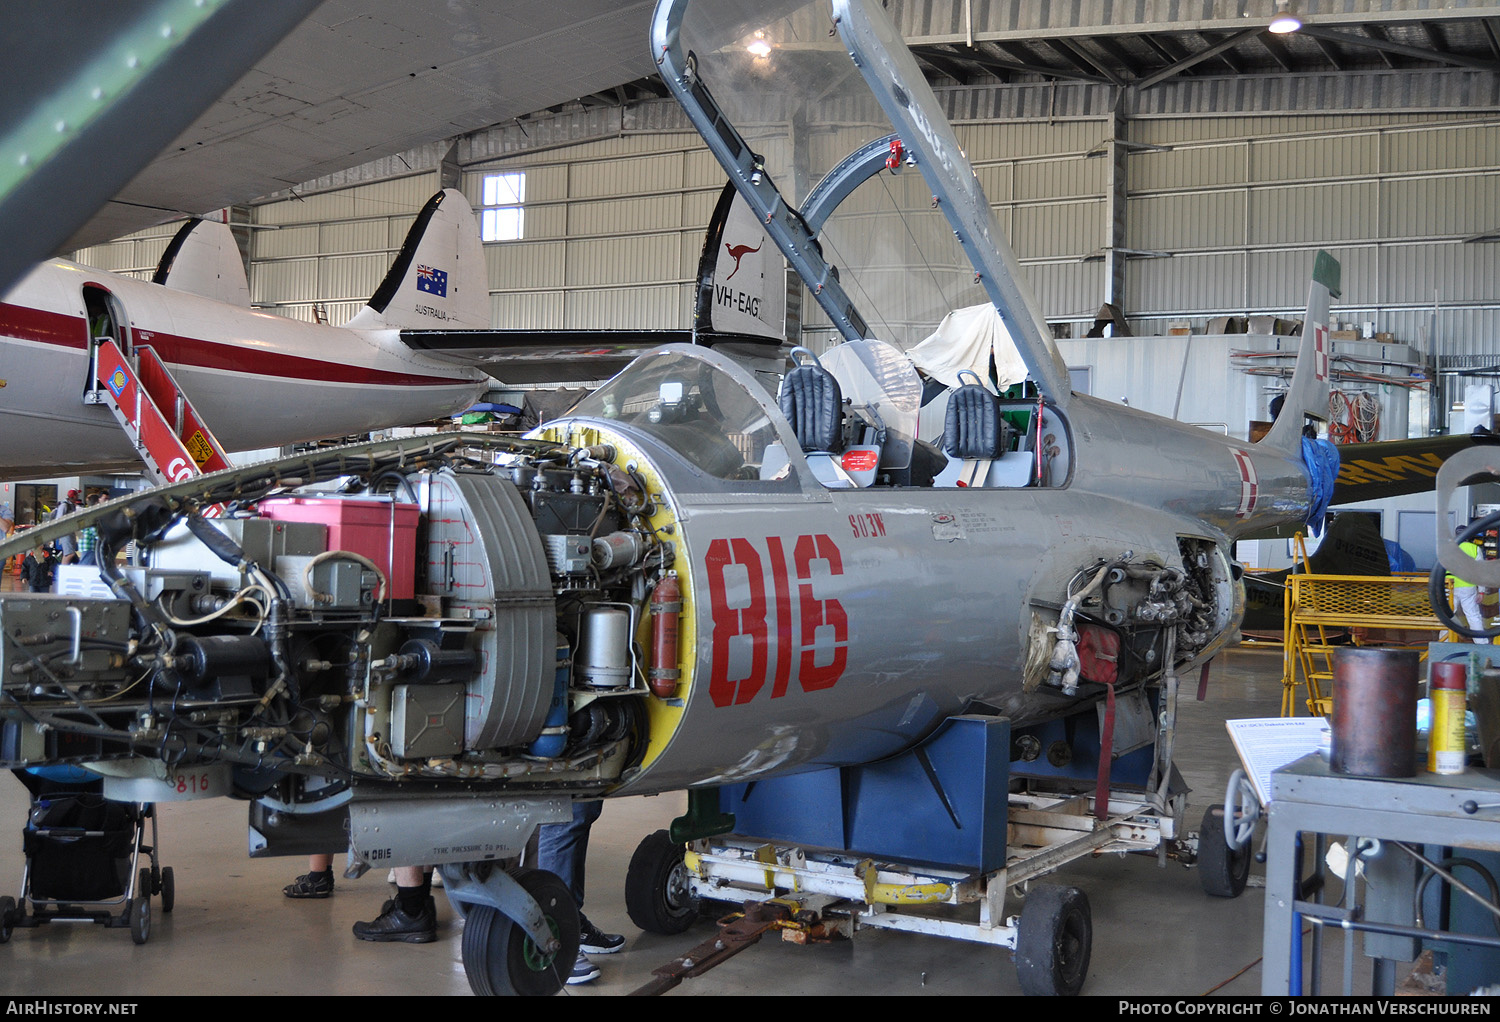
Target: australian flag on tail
{"x": 433, "y": 281}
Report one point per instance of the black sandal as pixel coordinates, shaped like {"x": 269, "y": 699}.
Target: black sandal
{"x": 310, "y": 885}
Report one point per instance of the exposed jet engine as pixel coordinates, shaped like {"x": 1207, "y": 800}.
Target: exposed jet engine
{"x": 454, "y": 622}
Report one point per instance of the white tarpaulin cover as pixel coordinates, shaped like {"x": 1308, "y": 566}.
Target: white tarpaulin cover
{"x": 967, "y": 339}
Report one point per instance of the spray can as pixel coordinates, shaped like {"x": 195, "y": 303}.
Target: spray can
{"x": 1446, "y": 748}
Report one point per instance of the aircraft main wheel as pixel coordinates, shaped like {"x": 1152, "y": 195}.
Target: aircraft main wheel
{"x": 499, "y": 957}
{"x": 657, "y": 895}
{"x": 1053, "y": 942}
{"x": 168, "y": 890}
{"x": 7, "y": 917}
{"x": 1222, "y": 870}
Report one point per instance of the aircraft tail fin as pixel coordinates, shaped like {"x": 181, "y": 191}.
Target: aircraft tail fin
{"x": 1352, "y": 545}
{"x": 741, "y": 275}
{"x": 439, "y": 279}
{"x": 1308, "y": 393}
{"x": 204, "y": 259}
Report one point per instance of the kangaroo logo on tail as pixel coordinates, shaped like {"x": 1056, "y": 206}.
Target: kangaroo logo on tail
{"x": 738, "y": 252}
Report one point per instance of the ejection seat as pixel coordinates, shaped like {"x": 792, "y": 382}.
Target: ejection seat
{"x": 813, "y": 403}
{"x": 974, "y": 436}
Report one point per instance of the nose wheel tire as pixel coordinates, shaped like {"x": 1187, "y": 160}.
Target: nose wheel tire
{"x": 657, "y": 892}
{"x": 1222, "y": 870}
{"x": 1053, "y": 942}
{"x": 501, "y": 959}
{"x": 8, "y": 917}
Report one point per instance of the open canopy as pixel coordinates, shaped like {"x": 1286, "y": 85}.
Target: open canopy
{"x": 827, "y": 127}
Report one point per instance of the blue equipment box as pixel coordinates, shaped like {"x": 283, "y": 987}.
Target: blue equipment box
{"x": 942, "y": 804}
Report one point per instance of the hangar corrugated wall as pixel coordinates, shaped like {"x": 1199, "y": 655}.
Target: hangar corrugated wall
{"x": 1242, "y": 202}
{"x": 613, "y": 226}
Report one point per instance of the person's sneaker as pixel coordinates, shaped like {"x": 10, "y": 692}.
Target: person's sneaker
{"x": 594, "y": 940}
{"x": 391, "y": 903}
{"x": 395, "y": 925}
{"x": 310, "y": 885}
{"x": 584, "y": 971}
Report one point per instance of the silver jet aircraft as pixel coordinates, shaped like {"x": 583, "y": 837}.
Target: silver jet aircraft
{"x": 686, "y": 582}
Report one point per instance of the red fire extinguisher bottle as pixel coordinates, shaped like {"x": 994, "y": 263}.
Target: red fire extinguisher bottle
{"x": 666, "y": 607}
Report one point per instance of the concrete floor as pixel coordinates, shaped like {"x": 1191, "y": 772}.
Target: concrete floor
{"x": 233, "y": 933}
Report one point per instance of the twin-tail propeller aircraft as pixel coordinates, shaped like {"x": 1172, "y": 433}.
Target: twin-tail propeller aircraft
{"x": 434, "y": 645}
{"x": 417, "y": 351}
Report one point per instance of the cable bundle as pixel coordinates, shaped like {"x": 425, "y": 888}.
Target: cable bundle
{"x": 1353, "y": 419}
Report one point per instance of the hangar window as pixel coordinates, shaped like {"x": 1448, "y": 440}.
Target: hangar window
{"x": 502, "y": 217}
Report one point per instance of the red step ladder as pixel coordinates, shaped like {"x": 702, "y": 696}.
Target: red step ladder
{"x": 173, "y": 448}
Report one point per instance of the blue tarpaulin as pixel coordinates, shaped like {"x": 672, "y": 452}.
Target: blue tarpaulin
{"x": 1322, "y": 461}
{"x": 1399, "y": 558}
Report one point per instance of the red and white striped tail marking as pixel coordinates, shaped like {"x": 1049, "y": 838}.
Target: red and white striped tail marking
{"x": 1320, "y": 352}
{"x": 1249, "y": 483}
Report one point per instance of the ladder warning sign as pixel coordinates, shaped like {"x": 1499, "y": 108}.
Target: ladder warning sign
{"x": 198, "y": 446}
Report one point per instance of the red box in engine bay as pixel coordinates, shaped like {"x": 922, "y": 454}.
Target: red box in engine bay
{"x": 383, "y": 531}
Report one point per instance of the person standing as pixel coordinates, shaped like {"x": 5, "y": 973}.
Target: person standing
{"x": 1466, "y": 594}
{"x": 562, "y": 848}
{"x": 36, "y": 570}
{"x": 7, "y": 526}
{"x": 88, "y": 539}
{"x": 67, "y": 544}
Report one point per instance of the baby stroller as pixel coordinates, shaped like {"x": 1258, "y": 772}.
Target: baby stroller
{"x": 84, "y": 857}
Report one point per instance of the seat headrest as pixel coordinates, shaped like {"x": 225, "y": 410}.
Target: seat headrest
{"x": 972, "y": 428}
{"x": 813, "y": 403}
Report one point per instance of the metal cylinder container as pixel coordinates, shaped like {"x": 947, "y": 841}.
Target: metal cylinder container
{"x": 617, "y": 550}
{"x": 554, "y": 737}
{"x": 202, "y": 658}
{"x": 604, "y": 648}
{"x": 1375, "y": 712}
{"x": 433, "y": 664}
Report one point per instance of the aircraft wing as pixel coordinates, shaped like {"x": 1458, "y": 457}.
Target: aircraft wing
{"x": 355, "y": 81}
{"x": 522, "y": 357}
{"x": 89, "y": 93}
{"x": 1389, "y": 468}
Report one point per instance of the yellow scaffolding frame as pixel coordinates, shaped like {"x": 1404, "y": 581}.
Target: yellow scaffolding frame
{"x": 1315, "y": 603}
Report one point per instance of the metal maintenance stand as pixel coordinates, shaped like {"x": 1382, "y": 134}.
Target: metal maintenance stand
{"x": 1387, "y": 823}
{"x": 902, "y": 843}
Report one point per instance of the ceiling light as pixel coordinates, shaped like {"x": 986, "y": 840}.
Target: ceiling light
{"x": 758, "y": 46}
{"x": 1285, "y": 21}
